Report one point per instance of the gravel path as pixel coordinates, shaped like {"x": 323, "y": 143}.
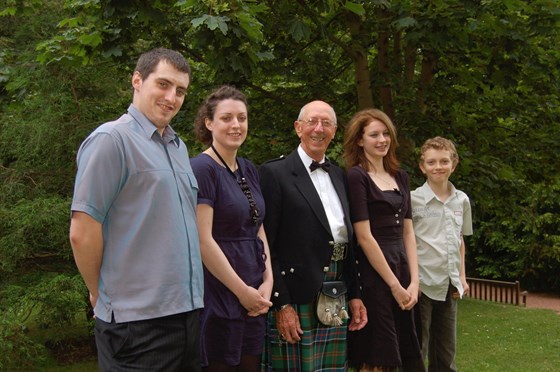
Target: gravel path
{"x": 544, "y": 301}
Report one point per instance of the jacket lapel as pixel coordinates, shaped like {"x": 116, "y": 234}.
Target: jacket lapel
{"x": 305, "y": 186}
{"x": 338, "y": 184}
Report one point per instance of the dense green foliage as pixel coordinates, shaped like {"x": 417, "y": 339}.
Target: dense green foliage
{"x": 41, "y": 300}
{"x": 483, "y": 73}
{"x": 17, "y": 351}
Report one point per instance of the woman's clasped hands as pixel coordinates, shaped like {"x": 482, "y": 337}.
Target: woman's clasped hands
{"x": 256, "y": 301}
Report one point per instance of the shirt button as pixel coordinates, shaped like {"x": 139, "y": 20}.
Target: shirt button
{"x": 292, "y": 270}
{"x": 276, "y": 294}
{"x": 326, "y": 269}
{"x": 396, "y": 215}
{"x": 283, "y": 272}
{"x": 398, "y": 221}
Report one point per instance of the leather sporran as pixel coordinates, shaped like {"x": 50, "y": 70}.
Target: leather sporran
{"x": 331, "y": 304}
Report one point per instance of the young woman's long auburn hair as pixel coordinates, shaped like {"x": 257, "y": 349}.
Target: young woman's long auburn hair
{"x": 354, "y": 154}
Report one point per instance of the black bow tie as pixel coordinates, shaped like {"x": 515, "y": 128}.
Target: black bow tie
{"x": 314, "y": 165}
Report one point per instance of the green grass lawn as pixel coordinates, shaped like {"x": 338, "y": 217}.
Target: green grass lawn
{"x": 490, "y": 337}
{"x": 495, "y": 337}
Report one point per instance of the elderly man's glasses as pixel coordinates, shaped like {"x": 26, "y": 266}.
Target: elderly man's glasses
{"x": 313, "y": 122}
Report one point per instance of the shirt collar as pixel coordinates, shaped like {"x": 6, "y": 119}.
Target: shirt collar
{"x": 428, "y": 194}
{"x": 306, "y": 159}
{"x": 150, "y": 129}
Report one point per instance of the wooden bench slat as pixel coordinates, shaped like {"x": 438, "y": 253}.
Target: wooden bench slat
{"x": 497, "y": 291}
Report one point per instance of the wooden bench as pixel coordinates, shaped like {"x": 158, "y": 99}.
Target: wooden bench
{"x": 497, "y": 291}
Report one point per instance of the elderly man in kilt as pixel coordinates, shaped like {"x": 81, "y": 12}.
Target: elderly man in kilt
{"x": 311, "y": 242}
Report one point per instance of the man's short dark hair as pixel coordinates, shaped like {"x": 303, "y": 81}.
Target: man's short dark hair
{"x": 148, "y": 61}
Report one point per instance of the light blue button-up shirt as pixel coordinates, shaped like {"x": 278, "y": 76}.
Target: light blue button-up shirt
{"x": 141, "y": 188}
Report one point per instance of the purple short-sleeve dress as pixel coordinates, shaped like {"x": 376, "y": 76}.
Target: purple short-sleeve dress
{"x": 227, "y": 332}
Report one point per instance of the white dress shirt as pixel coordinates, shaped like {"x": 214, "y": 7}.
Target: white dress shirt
{"x": 331, "y": 203}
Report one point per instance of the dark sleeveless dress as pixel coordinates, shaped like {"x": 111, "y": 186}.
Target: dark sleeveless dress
{"x": 390, "y": 335}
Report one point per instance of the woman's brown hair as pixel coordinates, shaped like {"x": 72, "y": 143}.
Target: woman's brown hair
{"x": 354, "y": 154}
{"x": 208, "y": 109}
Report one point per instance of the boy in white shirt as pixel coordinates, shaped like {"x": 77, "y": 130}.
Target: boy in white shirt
{"x": 441, "y": 215}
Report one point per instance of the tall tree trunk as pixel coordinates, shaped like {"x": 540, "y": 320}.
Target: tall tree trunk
{"x": 362, "y": 76}
{"x": 397, "y": 52}
{"x": 409, "y": 62}
{"x": 426, "y": 77}
{"x": 359, "y": 55}
{"x": 385, "y": 90}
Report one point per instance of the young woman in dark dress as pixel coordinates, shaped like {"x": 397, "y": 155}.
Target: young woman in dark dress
{"x": 381, "y": 215}
{"x": 237, "y": 271}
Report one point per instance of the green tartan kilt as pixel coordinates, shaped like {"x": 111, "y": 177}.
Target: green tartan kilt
{"x": 321, "y": 348}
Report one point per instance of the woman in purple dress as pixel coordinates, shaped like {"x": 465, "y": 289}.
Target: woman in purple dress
{"x": 382, "y": 218}
{"x": 237, "y": 271}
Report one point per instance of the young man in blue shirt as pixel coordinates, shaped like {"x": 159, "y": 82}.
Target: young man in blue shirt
{"x": 133, "y": 230}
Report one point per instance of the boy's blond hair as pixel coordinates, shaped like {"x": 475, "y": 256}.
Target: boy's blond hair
{"x": 440, "y": 143}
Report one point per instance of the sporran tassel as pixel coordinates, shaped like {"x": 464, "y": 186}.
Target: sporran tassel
{"x": 343, "y": 313}
{"x": 329, "y": 316}
{"x": 337, "y": 320}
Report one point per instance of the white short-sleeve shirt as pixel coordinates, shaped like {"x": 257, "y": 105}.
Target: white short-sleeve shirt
{"x": 438, "y": 227}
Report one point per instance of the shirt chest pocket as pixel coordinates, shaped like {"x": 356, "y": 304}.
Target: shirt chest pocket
{"x": 458, "y": 222}
{"x": 187, "y": 181}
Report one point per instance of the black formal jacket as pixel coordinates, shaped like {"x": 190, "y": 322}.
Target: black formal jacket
{"x": 298, "y": 231}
